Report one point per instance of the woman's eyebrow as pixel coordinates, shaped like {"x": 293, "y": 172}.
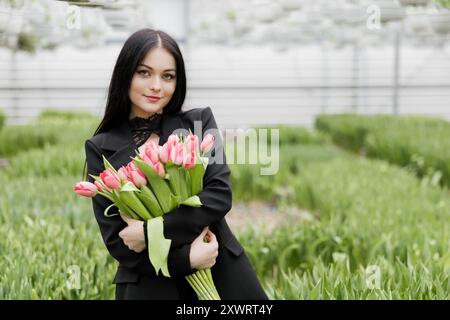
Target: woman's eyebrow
{"x": 144, "y": 65}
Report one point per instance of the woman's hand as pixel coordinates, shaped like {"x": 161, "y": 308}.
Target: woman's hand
{"x": 133, "y": 235}
{"x": 203, "y": 254}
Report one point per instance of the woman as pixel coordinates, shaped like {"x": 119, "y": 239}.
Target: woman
{"x": 147, "y": 90}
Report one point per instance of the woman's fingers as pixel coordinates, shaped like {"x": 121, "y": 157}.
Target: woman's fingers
{"x": 211, "y": 236}
{"x": 126, "y": 219}
{"x": 203, "y": 235}
{"x": 211, "y": 263}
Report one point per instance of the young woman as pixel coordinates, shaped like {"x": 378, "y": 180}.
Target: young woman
{"x": 146, "y": 93}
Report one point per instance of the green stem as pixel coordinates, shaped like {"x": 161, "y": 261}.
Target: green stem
{"x": 205, "y": 290}
{"x": 203, "y": 294}
{"x": 193, "y": 285}
{"x": 209, "y": 273}
{"x": 208, "y": 283}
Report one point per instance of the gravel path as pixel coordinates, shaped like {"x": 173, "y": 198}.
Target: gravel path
{"x": 264, "y": 216}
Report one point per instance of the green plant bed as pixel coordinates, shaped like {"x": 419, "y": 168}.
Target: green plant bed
{"x": 20, "y": 138}
{"x": 2, "y": 120}
{"x": 420, "y": 143}
{"x": 50, "y": 238}
{"x": 369, "y": 213}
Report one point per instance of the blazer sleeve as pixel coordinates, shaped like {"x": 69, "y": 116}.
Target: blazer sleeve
{"x": 185, "y": 223}
{"x": 178, "y": 259}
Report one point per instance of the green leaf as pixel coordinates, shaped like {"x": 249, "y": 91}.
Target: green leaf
{"x": 158, "y": 185}
{"x": 174, "y": 179}
{"x": 123, "y": 207}
{"x": 108, "y": 165}
{"x": 193, "y": 201}
{"x": 150, "y": 202}
{"x": 132, "y": 201}
{"x": 105, "y": 213}
{"x": 188, "y": 184}
{"x": 96, "y": 178}
{"x": 205, "y": 161}
{"x": 196, "y": 174}
{"x": 158, "y": 246}
{"x": 106, "y": 195}
{"x": 129, "y": 186}
{"x": 185, "y": 185}
{"x": 174, "y": 202}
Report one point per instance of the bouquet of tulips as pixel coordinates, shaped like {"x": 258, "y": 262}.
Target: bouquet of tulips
{"x": 156, "y": 181}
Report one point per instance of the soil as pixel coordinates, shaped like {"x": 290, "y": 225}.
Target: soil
{"x": 264, "y": 216}
{"x": 3, "y": 163}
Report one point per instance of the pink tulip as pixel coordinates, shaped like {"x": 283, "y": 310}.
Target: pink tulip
{"x": 122, "y": 173}
{"x": 135, "y": 175}
{"x": 177, "y": 154}
{"x": 85, "y": 189}
{"x": 173, "y": 139}
{"x": 151, "y": 150}
{"x": 164, "y": 152}
{"x": 207, "y": 143}
{"x": 189, "y": 160}
{"x": 110, "y": 179}
{"x": 159, "y": 168}
{"x": 146, "y": 159}
{"x": 191, "y": 142}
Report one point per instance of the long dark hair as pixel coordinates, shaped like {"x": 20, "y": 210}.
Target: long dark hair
{"x": 118, "y": 103}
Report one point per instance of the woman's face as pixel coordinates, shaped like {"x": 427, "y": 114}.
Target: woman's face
{"x": 153, "y": 83}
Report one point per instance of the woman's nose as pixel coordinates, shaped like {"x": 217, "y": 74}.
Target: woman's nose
{"x": 156, "y": 84}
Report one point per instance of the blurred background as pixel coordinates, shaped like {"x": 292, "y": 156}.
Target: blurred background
{"x": 267, "y": 61}
{"x": 359, "y": 91}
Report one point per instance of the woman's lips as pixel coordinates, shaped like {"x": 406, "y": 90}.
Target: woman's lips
{"x": 152, "y": 98}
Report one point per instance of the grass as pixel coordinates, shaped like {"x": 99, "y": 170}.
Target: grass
{"x": 386, "y": 219}
{"x": 419, "y": 143}
{"x": 2, "y": 120}
{"x": 369, "y": 215}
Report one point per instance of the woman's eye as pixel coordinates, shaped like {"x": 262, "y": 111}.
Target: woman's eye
{"x": 168, "y": 76}
{"x": 144, "y": 73}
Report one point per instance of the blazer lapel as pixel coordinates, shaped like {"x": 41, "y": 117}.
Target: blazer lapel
{"x": 119, "y": 139}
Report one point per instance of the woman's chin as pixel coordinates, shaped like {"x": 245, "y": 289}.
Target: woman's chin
{"x": 151, "y": 107}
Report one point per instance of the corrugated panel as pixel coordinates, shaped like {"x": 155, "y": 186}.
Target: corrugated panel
{"x": 245, "y": 86}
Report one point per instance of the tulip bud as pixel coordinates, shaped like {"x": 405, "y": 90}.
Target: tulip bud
{"x": 207, "y": 143}
{"x": 173, "y": 139}
{"x": 189, "y": 160}
{"x": 122, "y": 174}
{"x": 110, "y": 179}
{"x": 159, "y": 168}
{"x": 146, "y": 159}
{"x": 135, "y": 175}
{"x": 177, "y": 153}
{"x": 164, "y": 152}
{"x": 85, "y": 189}
{"x": 151, "y": 150}
{"x": 191, "y": 142}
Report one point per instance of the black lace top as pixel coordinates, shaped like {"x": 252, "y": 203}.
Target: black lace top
{"x": 142, "y": 128}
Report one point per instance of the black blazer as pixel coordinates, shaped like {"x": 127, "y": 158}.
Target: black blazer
{"x": 232, "y": 273}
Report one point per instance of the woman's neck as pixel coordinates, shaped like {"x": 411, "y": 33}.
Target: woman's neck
{"x": 142, "y": 115}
